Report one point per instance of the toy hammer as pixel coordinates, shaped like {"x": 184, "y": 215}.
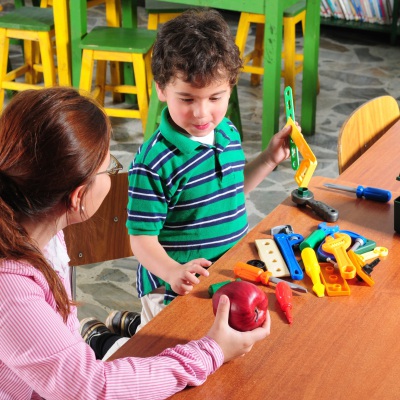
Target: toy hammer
{"x": 304, "y": 197}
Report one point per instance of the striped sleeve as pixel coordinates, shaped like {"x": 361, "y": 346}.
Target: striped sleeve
{"x": 40, "y": 354}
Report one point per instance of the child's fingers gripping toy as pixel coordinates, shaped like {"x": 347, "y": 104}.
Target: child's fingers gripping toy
{"x": 302, "y": 196}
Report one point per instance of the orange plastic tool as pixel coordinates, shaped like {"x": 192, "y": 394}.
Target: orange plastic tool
{"x": 335, "y": 285}
{"x": 253, "y": 274}
{"x": 337, "y": 246}
{"x": 359, "y": 263}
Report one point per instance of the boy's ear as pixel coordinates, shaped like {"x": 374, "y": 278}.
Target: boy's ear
{"x": 160, "y": 93}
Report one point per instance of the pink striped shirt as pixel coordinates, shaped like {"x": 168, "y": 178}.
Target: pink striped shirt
{"x": 40, "y": 356}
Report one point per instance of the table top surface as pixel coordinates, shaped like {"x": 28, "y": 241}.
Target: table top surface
{"x": 337, "y": 347}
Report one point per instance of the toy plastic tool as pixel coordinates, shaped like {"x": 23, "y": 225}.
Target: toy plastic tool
{"x": 289, "y": 106}
{"x": 318, "y": 235}
{"x": 255, "y": 274}
{"x": 284, "y": 296}
{"x": 309, "y": 162}
{"x": 304, "y": 197}
{"x": 337, "y": 246}
{"x": 286, "y": 242}
{"x": 313, "y": 270}
{"x": 369, "y": 193}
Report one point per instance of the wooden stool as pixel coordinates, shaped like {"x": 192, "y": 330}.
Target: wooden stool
{"x": 34, "y": 26}
{"x": 292, "y": 61}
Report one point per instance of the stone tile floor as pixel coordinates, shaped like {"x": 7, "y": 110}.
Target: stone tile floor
{"x": 354, "y": 66}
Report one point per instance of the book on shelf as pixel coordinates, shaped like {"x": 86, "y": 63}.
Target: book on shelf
{"x": 338, "y": 9}
{"x": 358, "y": 9}
{"x": 344, "y": 4}
{"x": 372, "y": 11}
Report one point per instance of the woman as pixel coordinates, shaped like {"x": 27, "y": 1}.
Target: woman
{"x": 54, "y": 150}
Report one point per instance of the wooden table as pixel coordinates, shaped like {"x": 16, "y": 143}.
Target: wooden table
{"x": 272, "y": 95}
{"x": 337, "y": 347}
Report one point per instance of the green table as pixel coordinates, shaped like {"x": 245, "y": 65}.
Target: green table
{"x": 273, "y": 10}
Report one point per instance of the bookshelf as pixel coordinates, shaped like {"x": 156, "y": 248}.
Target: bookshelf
{"x": 372, "y": 15}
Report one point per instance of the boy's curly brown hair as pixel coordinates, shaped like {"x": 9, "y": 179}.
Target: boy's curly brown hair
{"x": 197, "y": 46}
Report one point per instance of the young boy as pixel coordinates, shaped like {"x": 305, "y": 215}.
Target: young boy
{"x": 188, "y": 182}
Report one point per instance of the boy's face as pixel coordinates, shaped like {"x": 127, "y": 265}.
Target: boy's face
{"x": 196, "y": 111}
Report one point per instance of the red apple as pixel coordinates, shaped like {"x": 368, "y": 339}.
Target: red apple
{"x": 248, "y": 305}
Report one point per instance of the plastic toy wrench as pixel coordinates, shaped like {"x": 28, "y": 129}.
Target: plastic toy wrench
{"x": 309, "y": 162}
{"x": 337, "y": 246}
{"x": 289, "y": 106}
{"x": 381, "y": 252}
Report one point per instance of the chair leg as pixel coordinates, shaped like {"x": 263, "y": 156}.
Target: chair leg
{"x": 101, "y": 72}
{"x": 255, "y": 79}
{"x": 46, "y": 52}
{"x": 87, "y": 70}
{"x": 289, "y": 50}
{"x": 29, "y": 54}
{"x": 155, "y": 107}
{"x": 233, "y": 112}
{"x": 149, "y": 74}
{"x": 152, "y": 22}
{"x": 141, "y": 87}
{"x": 4, "y": 49}
{"x": 242, "y": 33}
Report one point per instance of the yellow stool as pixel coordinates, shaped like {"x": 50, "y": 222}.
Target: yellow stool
{"x": 292, "y": 61}
{"x": 104, "y": 44}
{"x": 156, "y": 19}
{"x": 160, "y": 12}
{"x": 35, "y": 26}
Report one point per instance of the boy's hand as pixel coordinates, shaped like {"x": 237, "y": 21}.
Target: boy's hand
{"x": 234, "y": 343}
{"x": 278, "y": 148}
{"x": 183, "y": 278}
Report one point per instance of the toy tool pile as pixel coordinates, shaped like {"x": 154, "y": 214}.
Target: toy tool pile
{"x": 331, "y": 258}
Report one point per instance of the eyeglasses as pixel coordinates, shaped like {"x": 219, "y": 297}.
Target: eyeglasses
{"x": 113, "y": 168}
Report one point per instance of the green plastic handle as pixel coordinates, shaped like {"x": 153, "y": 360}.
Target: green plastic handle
{"x": 313, "y": 240}
{"x": 289, "y": 106}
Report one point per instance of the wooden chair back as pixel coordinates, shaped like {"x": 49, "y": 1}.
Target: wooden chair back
{"x": 364, "y": 127}
{"x": 104, "y": 236}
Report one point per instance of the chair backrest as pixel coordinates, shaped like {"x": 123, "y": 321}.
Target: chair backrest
{"x": 104, "y": 236}
{"x": 364, "y": 127}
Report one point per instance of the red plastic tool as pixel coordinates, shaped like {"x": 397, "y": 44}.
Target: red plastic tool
{"x": 284, "y": 296}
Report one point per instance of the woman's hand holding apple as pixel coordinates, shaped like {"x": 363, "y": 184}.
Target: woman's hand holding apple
{"x": 234, "y": 343}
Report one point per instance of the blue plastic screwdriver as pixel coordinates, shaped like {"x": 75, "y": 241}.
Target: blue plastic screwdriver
{"x": 368, "y": 193}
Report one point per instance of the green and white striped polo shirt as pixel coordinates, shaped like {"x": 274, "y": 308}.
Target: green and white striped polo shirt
{"x": 189, "y": 194}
